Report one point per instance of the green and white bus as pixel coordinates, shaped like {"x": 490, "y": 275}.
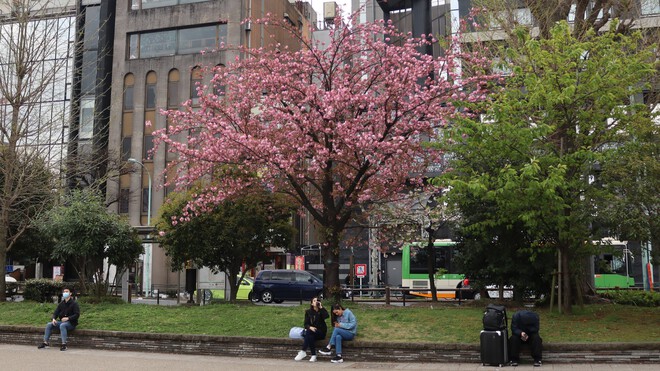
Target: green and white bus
{"x": 414, "y": 269}
{"x": 613, "y": 266}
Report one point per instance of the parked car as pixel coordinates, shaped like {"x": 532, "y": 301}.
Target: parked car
{"x": 244, "y": 291}
{"x": 12, "y": 285}
{"x": 283, "y": 284}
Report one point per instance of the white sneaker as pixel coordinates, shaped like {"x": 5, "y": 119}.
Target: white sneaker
{"x": 301, "y": 355}
{"x": 312, "y": 359}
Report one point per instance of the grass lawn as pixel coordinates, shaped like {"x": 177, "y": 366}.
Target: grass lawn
{"x": 420, "y": 323}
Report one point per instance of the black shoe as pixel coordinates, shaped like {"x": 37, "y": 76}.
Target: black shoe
{"x": 63, "y": 347}
{"x": 337, "y": 359}
{"x": 325, "y": 351}
{"x": 537, "y": 363}
{"x": 514, "y": 364}
{"x": 43, "y": 345}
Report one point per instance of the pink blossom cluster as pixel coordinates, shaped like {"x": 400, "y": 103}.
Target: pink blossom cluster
{"x": 331, "y": 125}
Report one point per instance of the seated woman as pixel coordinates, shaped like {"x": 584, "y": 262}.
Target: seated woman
{"x": 315, "y": 329}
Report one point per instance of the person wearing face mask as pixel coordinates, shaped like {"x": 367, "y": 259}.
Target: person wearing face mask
{"x": 67, "y": 312}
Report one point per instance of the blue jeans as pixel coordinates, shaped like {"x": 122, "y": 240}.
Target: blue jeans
{"x": 64, "y": 328}
{"x": 339, "y": 334}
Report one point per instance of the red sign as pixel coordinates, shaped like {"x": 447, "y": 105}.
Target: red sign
{"x": 360, "y": 270}
{"x": 300, "y": 263}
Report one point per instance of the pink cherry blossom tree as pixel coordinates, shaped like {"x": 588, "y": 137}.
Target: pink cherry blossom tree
{"x": 333, "y": 126}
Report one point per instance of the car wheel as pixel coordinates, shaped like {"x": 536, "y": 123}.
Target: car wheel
{"x": 477, "y": 296}
{"x": 278, "y": 301}
{"x": 267, "y": 297}
{"x": 208, "y": 295}
{"x": 254, "y": 298}
{"x": 320, "y": 296}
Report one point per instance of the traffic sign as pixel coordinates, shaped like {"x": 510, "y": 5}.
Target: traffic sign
{"x": 360, "y": 270}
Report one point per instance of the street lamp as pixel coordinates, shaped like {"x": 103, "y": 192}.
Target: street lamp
{"x": 147, "y": 250}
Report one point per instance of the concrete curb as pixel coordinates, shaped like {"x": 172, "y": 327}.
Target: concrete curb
{"x": 284, "y": 348}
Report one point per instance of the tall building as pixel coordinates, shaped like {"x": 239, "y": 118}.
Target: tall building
{"x": 156, "y": 65}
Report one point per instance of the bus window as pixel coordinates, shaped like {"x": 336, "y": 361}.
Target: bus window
{"x": 419, "y": 259}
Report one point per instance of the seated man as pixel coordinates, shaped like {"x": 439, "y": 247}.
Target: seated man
{"x": 68, "y": 313}
{"x": 525, "y": 329}
{"x": 345, "y": 329}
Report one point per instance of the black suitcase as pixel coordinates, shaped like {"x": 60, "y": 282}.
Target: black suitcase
{"x": 494, "y": 347}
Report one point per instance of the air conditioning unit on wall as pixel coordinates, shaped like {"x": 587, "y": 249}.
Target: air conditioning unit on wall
{"x": 329, "y": 10}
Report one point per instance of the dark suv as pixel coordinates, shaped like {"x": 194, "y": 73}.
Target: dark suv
{"x": 284, "y": 284}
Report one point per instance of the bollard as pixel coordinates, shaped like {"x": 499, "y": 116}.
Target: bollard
{"x": 387, "y": 295}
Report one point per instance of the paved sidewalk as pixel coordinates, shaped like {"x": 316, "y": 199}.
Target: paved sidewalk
{"x": 21, "y": 357}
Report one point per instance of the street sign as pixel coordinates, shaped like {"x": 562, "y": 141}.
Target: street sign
{"x": 360, "y": 270}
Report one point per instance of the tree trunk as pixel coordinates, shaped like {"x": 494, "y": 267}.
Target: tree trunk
{"x": 567, "y": 299}
{"x": 331, "y": 263}
{"x": 431, "y": 264}
{"x": 3, "y": 260}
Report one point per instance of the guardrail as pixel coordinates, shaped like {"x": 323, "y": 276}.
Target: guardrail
{"x": 396, "y": 294}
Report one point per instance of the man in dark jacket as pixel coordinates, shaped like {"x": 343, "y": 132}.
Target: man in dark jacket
{"x": 525, "y": 329}
{"x": 67, "y": 312}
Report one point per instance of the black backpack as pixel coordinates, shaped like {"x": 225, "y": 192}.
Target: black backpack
{"x": 495, "y": 318}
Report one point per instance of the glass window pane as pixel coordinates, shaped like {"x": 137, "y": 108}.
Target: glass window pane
{"x": 151, "y": 97}
{"x": 91, "y": 37}
{"x": 133, "y": 46}
{"x": 146, "y": 4}
{"x": 194, "y": 40}
{"x": 156, "y": 44}
{"x": 173, "y": 94}
{"x": 128, "y": 98}
{"x": 145, "y": 200}
{"x": 148, "y": 146}
{"x": 123, "y": 200}
{"x": 126, "y": 148}
{"x": 86, "y": 128}
{"x": 88, "y": 82}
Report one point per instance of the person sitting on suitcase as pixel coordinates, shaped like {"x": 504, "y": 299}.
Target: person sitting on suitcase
{"x": 525, "y": 330}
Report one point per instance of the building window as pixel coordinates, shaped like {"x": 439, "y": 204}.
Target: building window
{"x": 86, "y": 123}
{"x": 124, "y": 194}
{"x": 195, "y": 83}
{"x": 173, "y": 100}
{"x": 650, "y": 7}
{"x": 219, "y": 89}
{"x": 145, "y": 200}
{"x": 150, "y": 101}
{"x": 189, "y": 40}
{"x": 128, "y": 98}
{"x": 148, "y": 4}
{"x": 157, "y": 44}
{"x": 194, "y": 40}
{"x": 148, "y": 146}
{"x": 89, "y": 69}
{"x": 126, "y": 148}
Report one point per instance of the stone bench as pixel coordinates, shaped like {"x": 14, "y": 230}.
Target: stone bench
{"x": 285, "y": 348}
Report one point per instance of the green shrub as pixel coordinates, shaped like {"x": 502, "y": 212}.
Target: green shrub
{"x": 42, "y": 290}
{"x": 633, "y": 297}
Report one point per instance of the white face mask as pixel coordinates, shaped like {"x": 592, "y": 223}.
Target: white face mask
{"x": 66, "y": 295}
